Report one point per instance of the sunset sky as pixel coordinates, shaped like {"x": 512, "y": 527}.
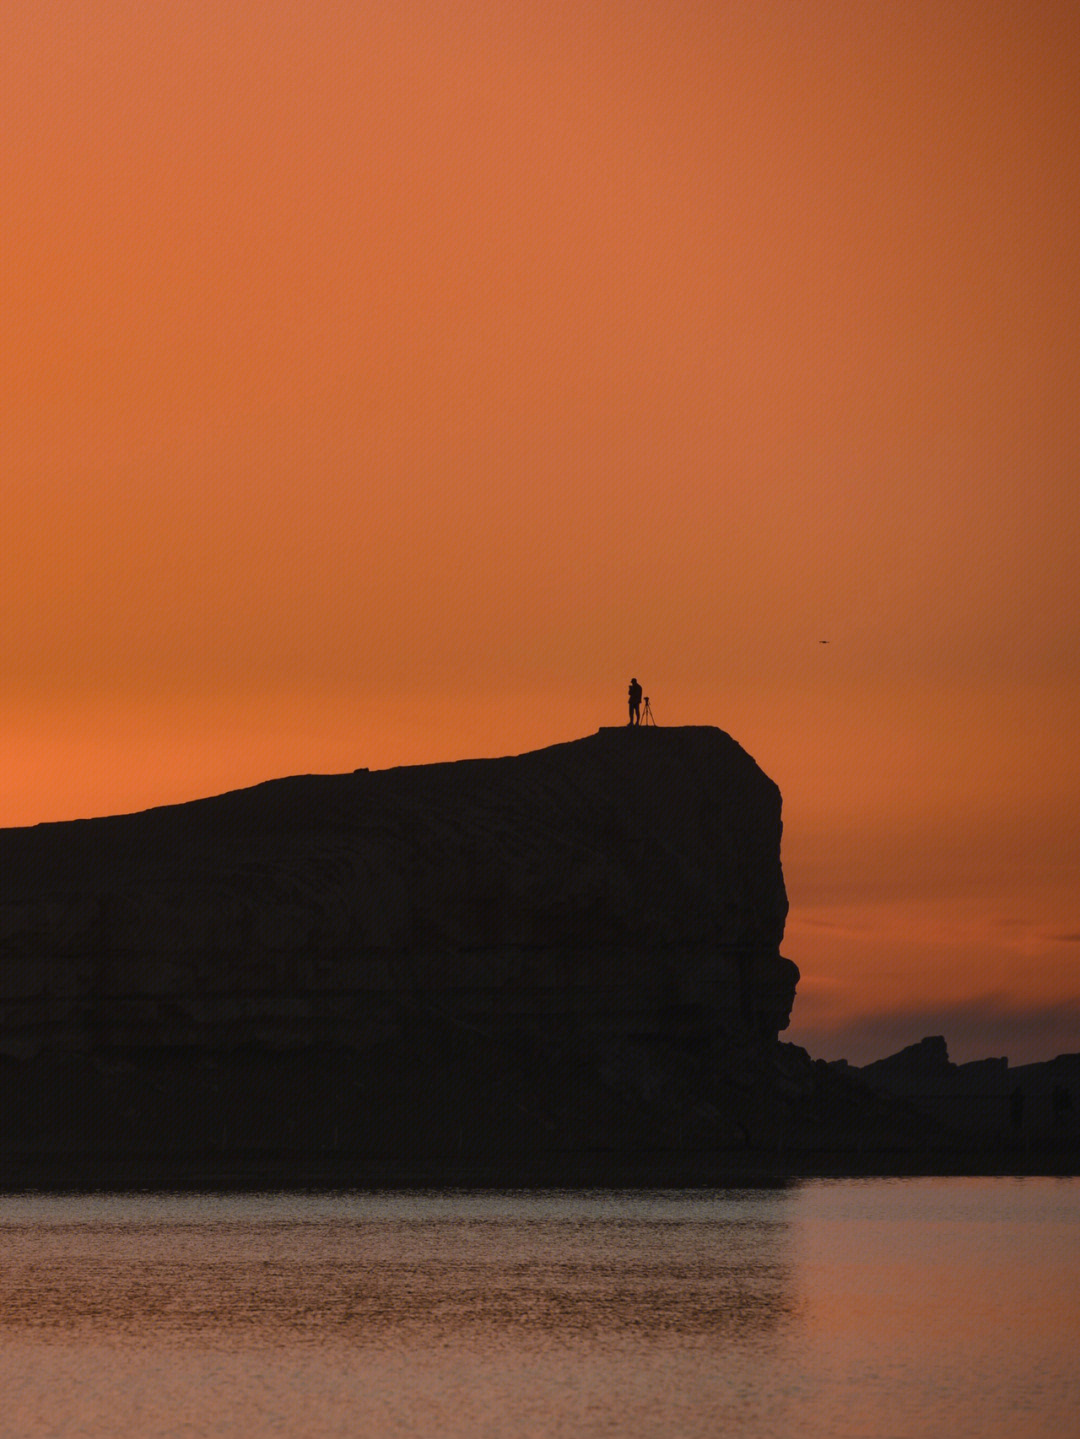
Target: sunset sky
{"x": 387, "y": 381}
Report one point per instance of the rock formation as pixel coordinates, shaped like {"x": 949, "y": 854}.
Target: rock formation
{"x": 986, "y": 1101}
{"x": 633, "y": 874}
{"x": 561, "y": 967}
{"x": 582, "y": 938}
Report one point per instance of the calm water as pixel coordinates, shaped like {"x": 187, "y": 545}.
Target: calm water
{"x": 872, "y": 1308}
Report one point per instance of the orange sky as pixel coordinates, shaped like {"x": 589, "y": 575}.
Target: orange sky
{"x": 388, "y": 382}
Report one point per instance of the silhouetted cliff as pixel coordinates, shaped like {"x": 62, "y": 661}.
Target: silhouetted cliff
{"x": 558, "y": 967}
{"x": 551, "y": 874}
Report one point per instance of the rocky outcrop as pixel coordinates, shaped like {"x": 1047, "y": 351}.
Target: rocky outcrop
{"x": 626, "y": 882}
{"x": 573, "y": 952}
{"x": 562, "y": 967}
{"x": 986, "y": 1100}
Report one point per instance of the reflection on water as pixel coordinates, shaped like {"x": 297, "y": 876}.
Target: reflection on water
{"x": 362, "y": 1268}
{"x": 851, "y": 1308}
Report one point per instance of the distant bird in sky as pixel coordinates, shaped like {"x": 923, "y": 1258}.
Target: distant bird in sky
{"x": 823, "y": 642}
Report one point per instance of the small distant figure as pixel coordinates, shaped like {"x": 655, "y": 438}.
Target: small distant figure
{"x": 635, "y": 703}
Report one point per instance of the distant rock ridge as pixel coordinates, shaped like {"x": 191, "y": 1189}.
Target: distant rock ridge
{"x": 985, "y": 1098}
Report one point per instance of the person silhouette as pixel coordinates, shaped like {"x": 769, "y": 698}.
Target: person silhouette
{"x": 635, "y": 703}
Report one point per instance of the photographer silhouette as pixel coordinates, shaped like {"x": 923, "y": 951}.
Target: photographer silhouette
{"x": 635, "y": 703}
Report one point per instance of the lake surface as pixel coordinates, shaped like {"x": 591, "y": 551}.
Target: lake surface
{"x": 921, "y": 1307}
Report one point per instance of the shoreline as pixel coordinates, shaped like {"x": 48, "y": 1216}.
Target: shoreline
{"x": 285, "y": 1172}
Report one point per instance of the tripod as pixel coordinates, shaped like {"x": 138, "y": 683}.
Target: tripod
{"x": 646, "y": 714}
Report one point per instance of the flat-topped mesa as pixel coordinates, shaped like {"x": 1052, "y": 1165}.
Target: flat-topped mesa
{"x": 625, "y": 884}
